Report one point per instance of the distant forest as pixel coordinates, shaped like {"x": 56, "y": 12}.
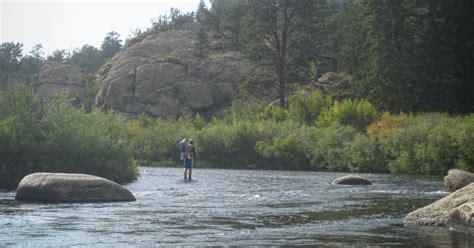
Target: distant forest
{"x": 410, "y": 56}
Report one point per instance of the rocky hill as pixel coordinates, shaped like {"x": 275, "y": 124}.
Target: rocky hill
{"x": 162, "y": 75}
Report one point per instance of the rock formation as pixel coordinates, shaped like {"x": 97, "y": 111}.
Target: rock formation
{"x": 61, "y": 187}
{"x": 55, "y": 78}
{"x": 333, "y": 85}
{"x": 161, "y": 76}
{"x": 454, "y": 208}
{"x": 457, "y": 179}
{"x": 352, "y": 180}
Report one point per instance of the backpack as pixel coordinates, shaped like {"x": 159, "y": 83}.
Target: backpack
{"x": 182, "y": 148}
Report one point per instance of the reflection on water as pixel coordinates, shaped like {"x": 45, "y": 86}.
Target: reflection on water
{"x": 238, "y": 207}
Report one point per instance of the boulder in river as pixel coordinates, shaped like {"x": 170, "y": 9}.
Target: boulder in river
{"x": 462, "y": 215}
{"x": 451, "y": 209}
{"x": 62, "y": 187}
{"x": 352, "y": 180}
{"x": 457, "y": 179}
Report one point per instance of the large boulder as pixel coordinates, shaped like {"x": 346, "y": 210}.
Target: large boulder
{"x": 449, "y": 209}
{"x": 462, "y": 215}
{"x": 55, "y": 78}
{"x": 352, "y": 180}
{"x": 161, "y": 75}
{"x": 457, "y": 179}
{"x": 62, "y": 187}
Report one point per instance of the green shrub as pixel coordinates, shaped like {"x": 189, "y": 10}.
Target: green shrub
{"x": 96, "y": 143}
{"x": 60, "y": 138}
{"x": 305, "y": 109}
{"x": 228, "y": 145}
{"x": 359, "y": 114}
{"x": 362, "y": 155}
{"x": 465, "y": 141}
{"x": 428, "y": 146}
{"x": 155, "y": 140}
{"x": 284, "y": 147}
{"x": 326, "y": 147}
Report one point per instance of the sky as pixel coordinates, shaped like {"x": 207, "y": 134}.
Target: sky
{"x": 62, "y": 24}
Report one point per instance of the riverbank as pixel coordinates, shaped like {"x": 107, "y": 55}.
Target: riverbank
{"x": 314, "y": 134}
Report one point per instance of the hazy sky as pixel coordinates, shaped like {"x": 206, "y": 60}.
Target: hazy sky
{"x": 62, "y": 24}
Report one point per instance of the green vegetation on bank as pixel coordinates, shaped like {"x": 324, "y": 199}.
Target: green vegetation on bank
{"x": 346, "y": 136}
{"x": 60, "y": 138}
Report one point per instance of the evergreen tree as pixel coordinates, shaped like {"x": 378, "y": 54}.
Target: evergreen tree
{"x": 111, "y": 44}
{"x": 202, "y": 43}
{"x": 10, "y": 56}
{"x": 88, "y": 58}
{"x": 60, "y": 56}
{"x": 274, "y": 37}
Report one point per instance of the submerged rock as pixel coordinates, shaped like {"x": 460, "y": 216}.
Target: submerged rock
{"x": 457, "y": 179}
{"x": 454, "y": 208}
{"x": 352, "y": 180}
{"x": 62, "y": 187}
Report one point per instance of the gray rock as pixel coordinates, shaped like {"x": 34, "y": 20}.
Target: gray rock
{"x": 462, "y": 216}
{"x": 62, "y": 187}
{"x": 352, "y": 180}
{"x": 55, "y": 78}
{"x": 440, "y": 212}
{"x": 159, "y": 75}
{"x": 457, "y": 179}
{"x": 333, "y": 84}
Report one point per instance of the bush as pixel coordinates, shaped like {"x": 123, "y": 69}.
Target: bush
{"x": 284, "y": 147}
{"x": 305, "y": 109}
{"x": 156, "y": 142}
{"x": 325, "y": 148}
{"x": 362, "y": 155}
{"x": 428, "y": 146}
{"x": 96, "y": 143}
{"x": 229, "y": 145}
{"x": 59, "y": 139}
{"x": 358, "y": 115}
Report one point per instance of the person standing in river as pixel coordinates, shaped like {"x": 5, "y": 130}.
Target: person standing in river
{"x": 190, "y": 156}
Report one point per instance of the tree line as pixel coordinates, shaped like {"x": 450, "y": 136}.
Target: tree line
{"x": 411, "y": 56}
{"x": 16, "y": 67}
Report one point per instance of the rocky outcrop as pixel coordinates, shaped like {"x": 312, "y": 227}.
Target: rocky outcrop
{"x": 334, "y": 85}
{"x": 55, "y": 78}
{"x": 457, "y": 179}
{"x": 352, "y": 180}
{"x": 454, "y": 208}
{"x": 161, "y": 76}
{"x": 62, "y": 187}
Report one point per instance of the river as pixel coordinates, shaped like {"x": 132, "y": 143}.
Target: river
{"x": 237, "y": 207}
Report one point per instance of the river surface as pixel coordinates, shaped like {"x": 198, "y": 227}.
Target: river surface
{"x": 237, "y": 207}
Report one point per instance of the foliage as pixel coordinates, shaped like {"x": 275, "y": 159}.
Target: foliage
{"x": 202, "y": 44}
{"x": 60, "y": 138}
{"x": 306, "y": 108}
{"x": 357, "y": 114}
{"x": 388, "y": 44}
{"x": 88, "y": 58}
{"x": 111, "y": 45}
{"x": 326, "y": 147}
{"x": 431, "y": 144}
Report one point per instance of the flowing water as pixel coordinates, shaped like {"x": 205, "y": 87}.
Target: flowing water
{"x": 237, "y": 207}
